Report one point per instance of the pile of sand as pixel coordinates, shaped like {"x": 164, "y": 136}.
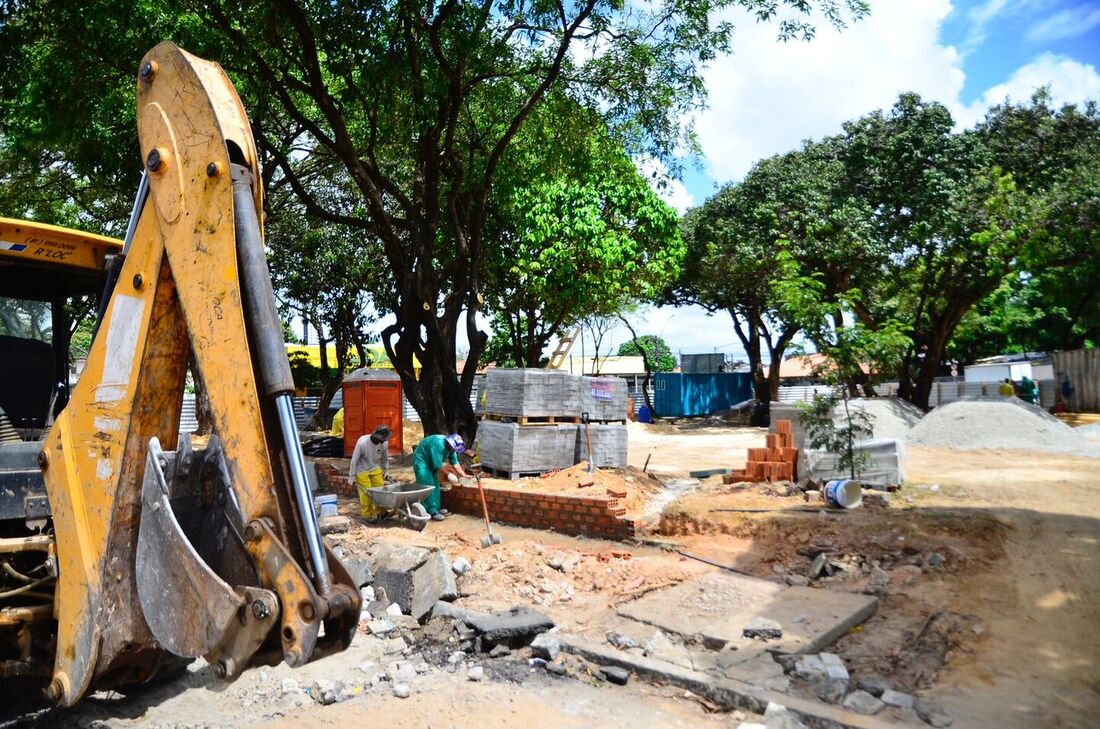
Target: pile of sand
{"x": 890, "y": 417}
{"x": 1089, "y": 431}
{"x": 994, "y": 423}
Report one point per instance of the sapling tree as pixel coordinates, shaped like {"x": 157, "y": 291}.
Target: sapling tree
{"x": 853, "y": 353}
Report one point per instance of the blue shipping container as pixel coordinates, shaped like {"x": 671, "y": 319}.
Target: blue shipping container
{"x": 676, "y": 395}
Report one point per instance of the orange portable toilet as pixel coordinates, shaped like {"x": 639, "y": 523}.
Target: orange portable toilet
{"x": 372, "y": 397}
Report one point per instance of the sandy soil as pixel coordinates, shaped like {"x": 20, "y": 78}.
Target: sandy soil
{"x": 674, "y": 450}
{"x": 1006, "y": 632}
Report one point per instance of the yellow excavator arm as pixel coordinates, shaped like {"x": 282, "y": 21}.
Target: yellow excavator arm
{"x": 163, "y": 548}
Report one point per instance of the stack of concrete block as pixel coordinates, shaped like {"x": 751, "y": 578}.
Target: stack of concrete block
{"x": 603, "y": 398}
{"x": 517, "y": 449}
{"x": 553, "y": 393}
{"x": 527, "y": 392}
{"x": 609, "y": 445}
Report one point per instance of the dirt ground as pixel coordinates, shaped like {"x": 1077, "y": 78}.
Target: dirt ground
{"x": 992, "y": 608}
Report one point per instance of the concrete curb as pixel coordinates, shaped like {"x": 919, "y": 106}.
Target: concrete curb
{"x": 727, "y": 693}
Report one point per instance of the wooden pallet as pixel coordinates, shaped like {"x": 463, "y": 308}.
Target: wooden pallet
{"x": 531, "y": 419}
{"x": 546, "y": 419}
{"x": 509, "y": 475}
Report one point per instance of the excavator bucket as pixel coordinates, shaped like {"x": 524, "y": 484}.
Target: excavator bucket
{"x": 191, "y": 610}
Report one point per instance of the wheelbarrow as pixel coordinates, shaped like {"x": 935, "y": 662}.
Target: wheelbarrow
{"x": 403, "y": 501}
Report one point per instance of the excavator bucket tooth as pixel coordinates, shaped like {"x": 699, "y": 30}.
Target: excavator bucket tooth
{"x": 190, "y": 609}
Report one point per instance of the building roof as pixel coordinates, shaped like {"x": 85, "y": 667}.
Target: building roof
{"x": 802, "y": 366}
{"x": 611, "y": 365}
{"x": 1013, "y": 358}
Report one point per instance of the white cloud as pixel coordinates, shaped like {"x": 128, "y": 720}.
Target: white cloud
{"x": 1069, "y": 81}
{"x": 1068, "y": 23}
{"x": 668, "y": 188}
{"x": 768, "y": 97}
{"x": 686, "y": 329}
{"x": 980, "y": 18}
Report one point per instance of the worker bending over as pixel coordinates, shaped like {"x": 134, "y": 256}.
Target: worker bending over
{"x": 369, "y": 463}
{"x": 437, "y": 457}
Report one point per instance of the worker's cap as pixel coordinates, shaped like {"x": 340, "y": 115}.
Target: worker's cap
{"x": 381, "y": 433}
{"x": 454, "y": 440}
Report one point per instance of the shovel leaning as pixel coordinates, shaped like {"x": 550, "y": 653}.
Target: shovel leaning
{"x": 489, "y": 539}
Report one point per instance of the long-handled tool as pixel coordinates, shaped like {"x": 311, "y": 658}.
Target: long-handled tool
{"x": 489, "y": 539}
{"x": 588, "y": 438}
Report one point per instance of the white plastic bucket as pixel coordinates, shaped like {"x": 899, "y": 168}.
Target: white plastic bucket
{"x": 326, "y": 505}
{"x": 843, "y": 493}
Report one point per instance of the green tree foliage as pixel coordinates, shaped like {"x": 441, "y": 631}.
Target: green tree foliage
{"x": 323, "y": 274}
{"x": 850, "y": 349}
{"x": 417, "y": 105}
{"x": 732, "y": 240}
{"x": 981, "y": 233}
{"x": 654, "y": 348}
{"x": 578, "y": 231}
{"x": 960, "y": 213}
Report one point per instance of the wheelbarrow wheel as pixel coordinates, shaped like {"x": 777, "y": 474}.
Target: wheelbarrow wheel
{"x": 418, "y": 516}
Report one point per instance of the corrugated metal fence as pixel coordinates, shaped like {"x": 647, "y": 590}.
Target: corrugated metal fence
{"x": 304, "y": 408}
{"x": 1079, "y": 370}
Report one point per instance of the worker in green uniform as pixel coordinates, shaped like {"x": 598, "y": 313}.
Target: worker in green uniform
{"x": 437, "y": 457}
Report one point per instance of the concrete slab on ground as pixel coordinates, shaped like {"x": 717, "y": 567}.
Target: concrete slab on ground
{"x": 727, "y": 693}
{"x": 717, "y": 607}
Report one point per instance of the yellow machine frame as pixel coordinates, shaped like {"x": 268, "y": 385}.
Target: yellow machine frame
{"x": 179, "y": 292}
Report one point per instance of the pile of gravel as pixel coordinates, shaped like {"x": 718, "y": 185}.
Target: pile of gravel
{"x": 889, "y": 416}
{"x": 995, "y": 423}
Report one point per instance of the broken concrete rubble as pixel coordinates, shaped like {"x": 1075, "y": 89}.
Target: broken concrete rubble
{"x": 762, "y": 629}
{"x": 621, "y": 641}
{"x": 875, "y": 685}
{"x": 517, "y": 624}
{"x": 777, "y": 716}
{"x": 359, "y": 570}
{"x": 897, "y": 699}
{"x": 932, "y": 714}
{"x": 663, "y": 649}
{"x": 615, "y": 675}
{"x": 325, "y": 692}
{"x": 546, "y": 646}
{"x": 433, "y": 581}
{"x": 862, "y": 702}
{"x": 394, "y": 569}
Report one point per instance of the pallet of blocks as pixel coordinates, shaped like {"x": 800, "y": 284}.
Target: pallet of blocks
{"x": 776, "y": 461}
{"x": 532, "y": 421}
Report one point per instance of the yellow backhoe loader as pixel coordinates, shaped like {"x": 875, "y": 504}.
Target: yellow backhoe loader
{"x": 121, "y": 544}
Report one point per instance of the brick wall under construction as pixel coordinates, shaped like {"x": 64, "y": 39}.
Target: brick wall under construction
{"x": 576, "y": 515}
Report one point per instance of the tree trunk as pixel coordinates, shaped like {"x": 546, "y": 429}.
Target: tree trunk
{"x": 750, "y": 341}
{"x": 441, "y": 396}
